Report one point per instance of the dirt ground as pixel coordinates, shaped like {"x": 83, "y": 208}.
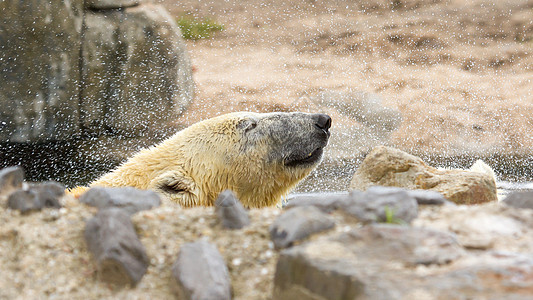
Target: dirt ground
{"x": 459, "y": 71}
{"x": 43, "y": 255}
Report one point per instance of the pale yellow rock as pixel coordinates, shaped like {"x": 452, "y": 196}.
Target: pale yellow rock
{"x": 392, "y": 167}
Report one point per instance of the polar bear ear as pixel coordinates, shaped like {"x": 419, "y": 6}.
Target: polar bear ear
{"x": 176, "y": 186}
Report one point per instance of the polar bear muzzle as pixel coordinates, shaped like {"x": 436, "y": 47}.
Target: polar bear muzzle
{"x": 308, "y": 151}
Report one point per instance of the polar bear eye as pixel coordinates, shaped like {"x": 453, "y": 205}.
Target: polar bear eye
{"x": 248, "y": 124}
{"x": 251, "y": 126}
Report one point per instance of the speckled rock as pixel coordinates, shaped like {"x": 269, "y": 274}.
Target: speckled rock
{"x": 391, "y": 167}
{"x": 120, "y": 256}
{"x": 361, "y": 263}
{"x": 428, "y": 197}
{"x": 37, "y": 196}
{"x": 95, "y": 67}
{"x": 297, "y": 224}
{"x": 326, "y": 202}
{"x": 110, "y": 4}
{"x": 23, "y": 201}
{"x": 230, "y": 211}
{"x": 200, "y": 273}
{"x": 130, "y": 199}
{"x": 11, "y": 179}
{"x": 136, "y": 71}
{"x": 381, "y": 204}
{"x": 40, "y": 70}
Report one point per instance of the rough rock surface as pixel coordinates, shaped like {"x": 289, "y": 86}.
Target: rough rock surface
{"x": 36, "y": 196}
{"x": 147, "y": 81}
{"x": 67, "y": 70}
{"x": 347, "y": 265}
{"x": 230, "y": 212}
{"x": 110, "y": 4}
{"x": 11, "y": 179}
{"x": 297, "y": 224}
{"x": 326, "y": 202}
{"x": 119, "y": 254}
{"x": 200, "y": 273}
{"x": 428, "y": 197}
{"x": 381, "y": 204}
{"x": 391, "y": 167}
{"x": 39, "y": 70}
{"x": 130, "y": 199}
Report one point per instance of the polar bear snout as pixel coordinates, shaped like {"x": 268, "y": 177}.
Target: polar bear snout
{"x": 306, "y": 149}
{"x": 323, "y": 121}
{"x": 323, "y": 124}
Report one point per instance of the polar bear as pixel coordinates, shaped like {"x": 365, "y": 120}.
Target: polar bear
{"x": 259, "y": 156}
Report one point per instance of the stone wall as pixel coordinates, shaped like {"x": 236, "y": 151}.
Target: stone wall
{"x": 78, "y": 68}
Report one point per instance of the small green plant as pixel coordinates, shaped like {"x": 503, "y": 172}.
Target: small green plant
{"x": 390, "y": 218}
{"x": 195, "y": 29}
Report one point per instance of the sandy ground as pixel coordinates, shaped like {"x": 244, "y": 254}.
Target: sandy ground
{"x": 43, "y": 255}
{"x": 459, "y": 71}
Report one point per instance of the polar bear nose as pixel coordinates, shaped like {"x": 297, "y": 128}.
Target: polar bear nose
{"x": 323, "y": 121}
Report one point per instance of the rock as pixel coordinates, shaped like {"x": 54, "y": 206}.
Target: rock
{"x": 302, "y": 275}
{"x": 146, "y": 83}
{"x": 325, "y": 202}
{"x": 480, "y": 230}
{"x": 481, "y": 227}
{"x": 128, "y": 72}
{"x": 110, "y": 4}
{"x": 520, "y": 199}
{"x": 410, "y": 245}
{"x": 11, "y": 179}
{"x": 428, "y": 197}
{"x": 48, "y": 193}
{"x": 120, "y": 257}
{"x": 230, "y": 211}
{"x": 362, "y": 263}
{"x": 39, "y": 70}
{"x": 297, "y": 224}
{"x": 24, "y": 201}
{"x": 200, "y": 273}
{"x": 130, "y": 199}
{"x": 36, "y": 196}
{"x": 382, "y": 204}
{"x": 492, "y": 275}
{"x": 391, "y": 167}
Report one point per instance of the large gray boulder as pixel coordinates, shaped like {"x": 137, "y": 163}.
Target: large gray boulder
{"x": 200, "y": 273}
{"x": 392, "y": 167}
{"x": 72, "y": 69}
{"x": 146, "y": 82}
{"x": 369, "y": 262}
{"x": 120, "y": 256}
{"x": 39, "y": 69}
